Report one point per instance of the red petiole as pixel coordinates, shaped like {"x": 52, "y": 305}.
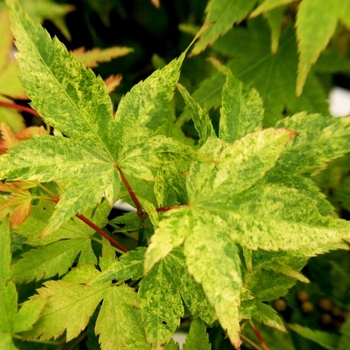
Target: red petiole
{"x": 19, "y": 107}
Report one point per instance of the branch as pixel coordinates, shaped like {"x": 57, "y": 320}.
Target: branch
{"x": 87, "y": 221}
{"x": 102, "y": 233}
{"x": 139, "y": 210}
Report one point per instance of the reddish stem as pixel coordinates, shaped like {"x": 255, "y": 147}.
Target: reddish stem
{"x": 102, "y": 233}
{"x": 172, "y": 207}
{"x": 19, "y": 107}
{"x": 139, "y": 211}
{"x": 258, "y": 335}
{"x": 88, "y": 222}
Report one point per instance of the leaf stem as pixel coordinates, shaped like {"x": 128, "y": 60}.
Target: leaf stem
{"x": 139, "y": 210}
{"x": 20, "y": 108}
{"x": 251, "y": 343}
{"x": 258, "y": 335}
{"x": 54, "y": 195}
{"x": 101, "y": 232}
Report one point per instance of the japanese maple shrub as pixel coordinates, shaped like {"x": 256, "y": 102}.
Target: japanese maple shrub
{"x": 218, "y": 220}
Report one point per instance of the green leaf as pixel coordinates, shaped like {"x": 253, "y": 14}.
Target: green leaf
{"x": 129, "y": 266}
{"x": 72, "y": 229}
{"x": 152, "y": 152}
{"x": 163, "y": 291}
{"x": 316, "y": 23}
{"x": 267, "y": 315}
{"x": 268, "y": 5}
{"x": 59, "y": 85}
{"x": 119, "y": 324}
{"x": 224, "y": 14}
{"x": 49, "y": 260}
{"x": 242, "y": 110}
{"x": 274, "y": 19}
{"x": 51, "y": 10}
{"x": 69, "y": 307}
{"x": 325, "y": 339}
{"x": 208, "y": 95}
{"x": 264, "y": 281}
{"x": 144, "y": 108}
{"x": 305, "y": 186}
{"x": 75, "y": 102}
{"x": 320, "y": 139}
{"x": 28, "y": 314}
{"x": 172, "y": 345}
{"x": 200, "y": 116}
{"x": 219, "y": 274}
{"x": 12, "y": 321}
{"x": 161, "y": 303}
{"x": 344, "y": 340}
{"x": 273, "y": 75}
{"x": 236, "y": 167}
{"x": 8, "y": 293}
{"x": 83, "y": 274}
{"x": 197, "y": 337}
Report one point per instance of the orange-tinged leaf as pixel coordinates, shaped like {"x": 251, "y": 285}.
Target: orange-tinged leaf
{"x": 27, "y": 133}
{"x": 112, "y": 82}
{"x": 91, "y": 58}
{"x": 8, "y": 137}
{"x": 156, "y": 3}
{"x": 20, "y": 213}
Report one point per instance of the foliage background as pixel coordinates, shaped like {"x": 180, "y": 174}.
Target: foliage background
{"x": 159, "y": 35}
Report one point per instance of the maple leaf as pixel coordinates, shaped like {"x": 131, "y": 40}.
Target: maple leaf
{"x": 91, "y": 58}
{"x": 273, "y": 76}
{"x": 56, "y": 253}
{"x": 73, "y": 100}
{"x": 197, "y": 337}
{"x": 268, "y": 5}
{"x": 237, "y": 212}
{"x": 316, "y": 23}
{"x": 163, "y": 293}
{"x": 224, "y": 14}
{"x": 119, "y": 323}
{"x": 12, "y": 320}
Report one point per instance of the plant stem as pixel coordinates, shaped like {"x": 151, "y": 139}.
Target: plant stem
{"x": 173, "y": 207}
{"x": 19, "y": 107}
{"x": 139, "y": 210}
{"x": 251, "y": 343}
{"x": 87, "y": 221}
{"x": 258, "y": 335}
{"x": 101, "y": 232}
{"x": 54, "y": 195}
